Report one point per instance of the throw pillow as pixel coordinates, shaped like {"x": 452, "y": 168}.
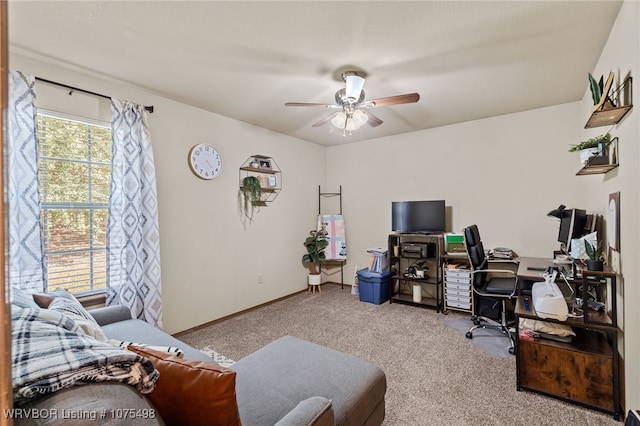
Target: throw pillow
{"x": 546, "y": 327}
{"x": 74, "y": 310}
{"x": 21, "y": 299}
{"x": 192, "y": 392}
{"x": 44, "y": 299}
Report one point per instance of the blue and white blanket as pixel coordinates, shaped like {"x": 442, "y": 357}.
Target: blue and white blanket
{"x": 50, "y": 352}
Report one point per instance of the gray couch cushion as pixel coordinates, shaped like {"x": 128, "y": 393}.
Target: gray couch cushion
{"x": 110, "y": 314}
{"x": 138, "y": 331}
{"x": 314, "y": 411}
{"x": 93, "y": 400}
{"x": 274, "y": 379}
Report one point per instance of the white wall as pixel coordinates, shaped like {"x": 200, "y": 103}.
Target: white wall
{"x": 503, "y": 174}
{"x": 210, "y": 260}
{"x": 622, "y": 56}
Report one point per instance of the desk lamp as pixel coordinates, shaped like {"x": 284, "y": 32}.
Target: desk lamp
{"x": 557, "y": 213}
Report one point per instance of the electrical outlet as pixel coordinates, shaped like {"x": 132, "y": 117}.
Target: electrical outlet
{"x": 260, "y": 278}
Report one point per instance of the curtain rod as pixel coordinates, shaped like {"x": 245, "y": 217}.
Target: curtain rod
{"x": 77, "y": 89}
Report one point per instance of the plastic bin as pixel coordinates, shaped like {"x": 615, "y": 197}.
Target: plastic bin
{"x": 373, "y": 286}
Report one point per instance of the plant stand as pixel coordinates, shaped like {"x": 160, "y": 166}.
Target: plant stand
{"x": 315, "y": 281}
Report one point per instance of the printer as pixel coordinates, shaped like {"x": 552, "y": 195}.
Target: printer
{"x": 548, "y": 300}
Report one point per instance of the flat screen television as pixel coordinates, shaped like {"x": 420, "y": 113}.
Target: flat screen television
{"x": 418, "y": 216}
{"x": 572, "y": 225}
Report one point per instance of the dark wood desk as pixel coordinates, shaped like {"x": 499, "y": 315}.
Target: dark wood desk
{"x": 584, "y": 371}
{"x": 532, "y": 268}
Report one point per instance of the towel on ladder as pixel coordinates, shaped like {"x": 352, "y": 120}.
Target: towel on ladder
{"x": 334, "y": 225}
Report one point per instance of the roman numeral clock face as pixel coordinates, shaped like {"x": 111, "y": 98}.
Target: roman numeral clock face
{"x": 205, "y": 161}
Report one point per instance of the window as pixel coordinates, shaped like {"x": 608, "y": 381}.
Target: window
{"x": 75, "y": 175}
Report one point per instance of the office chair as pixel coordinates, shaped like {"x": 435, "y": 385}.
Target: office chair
{"x": 490, "y": 291}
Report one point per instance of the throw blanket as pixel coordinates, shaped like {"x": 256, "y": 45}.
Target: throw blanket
{"x": 169, "y": 350}
{"x": 334, "y": 225}
{"x": 50, "y": 352}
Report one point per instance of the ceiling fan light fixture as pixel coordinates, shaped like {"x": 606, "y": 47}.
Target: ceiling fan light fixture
{"x": 354, "y": 86}
{"x": 351, "y": 125}
{"x": 339, "y": 120}
{"x": 349, "y": 120}
{"x": 359, "y": 118}
{"x": 350, "y": 101}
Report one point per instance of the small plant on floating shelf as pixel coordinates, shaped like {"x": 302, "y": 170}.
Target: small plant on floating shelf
{"x": 592, "y": 143}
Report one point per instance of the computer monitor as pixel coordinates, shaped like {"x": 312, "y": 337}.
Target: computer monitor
{"x": 572, "y": 225}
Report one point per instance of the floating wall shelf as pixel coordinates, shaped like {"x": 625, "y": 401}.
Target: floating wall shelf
{"x": 598, "y": 165}
{"x": 607, "y": 114}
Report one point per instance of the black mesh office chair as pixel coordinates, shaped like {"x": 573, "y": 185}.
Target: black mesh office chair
{"x": 492, "y": 288}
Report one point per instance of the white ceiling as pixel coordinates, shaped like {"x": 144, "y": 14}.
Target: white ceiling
{"x": 244, "y": 60}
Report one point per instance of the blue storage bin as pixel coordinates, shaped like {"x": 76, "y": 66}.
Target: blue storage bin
{"x": 373, "y": 286}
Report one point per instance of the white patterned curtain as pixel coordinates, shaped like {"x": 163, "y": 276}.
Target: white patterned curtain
{"x": 26, "y": 262}
{"x": 133, "y": 242}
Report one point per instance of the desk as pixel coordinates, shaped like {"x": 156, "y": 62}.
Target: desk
{"x": 532, "y": 268}
{"x": 584, "y": 371}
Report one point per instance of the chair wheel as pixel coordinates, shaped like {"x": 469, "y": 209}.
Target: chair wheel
{"x": 512, "y": 351}
{"x": 469, "y": 335}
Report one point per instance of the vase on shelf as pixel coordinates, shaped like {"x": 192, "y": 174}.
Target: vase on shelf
{"x": 586, "y": 154}
{"x": 417, "y": 293}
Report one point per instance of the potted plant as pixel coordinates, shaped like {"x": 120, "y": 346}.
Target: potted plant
{"x": 251, "y": 192}
{"x": 594, "y": 146}
{"x": 315, "y": 244}
{"x": 595, "y": 261}
{"x": 417, "y": 269}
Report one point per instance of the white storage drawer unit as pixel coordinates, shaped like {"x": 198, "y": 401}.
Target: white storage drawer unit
{"x": 457, "y": 289}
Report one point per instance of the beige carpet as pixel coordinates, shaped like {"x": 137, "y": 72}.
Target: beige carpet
{"x": 435, "y": 375}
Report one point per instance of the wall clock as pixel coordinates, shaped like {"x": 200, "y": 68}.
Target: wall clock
{"x": 205, "y": 161}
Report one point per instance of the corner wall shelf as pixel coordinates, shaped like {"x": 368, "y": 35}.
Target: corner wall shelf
{"x": 607, "y": 114}
{"x": 268, "y": 173}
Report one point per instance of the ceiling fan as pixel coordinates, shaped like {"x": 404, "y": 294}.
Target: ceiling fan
{"x": 352, "y": 107}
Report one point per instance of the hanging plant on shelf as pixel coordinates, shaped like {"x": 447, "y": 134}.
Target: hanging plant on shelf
{"x": 251, "y": 195}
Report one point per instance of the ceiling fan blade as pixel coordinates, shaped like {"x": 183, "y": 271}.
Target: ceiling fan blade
{"x": 373, "y": 120}
{"x": 393, "y": 100}
{"x": 354, "y": 86}
{"x": 308, "y": 104}
{"x": 325, "y": 120}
